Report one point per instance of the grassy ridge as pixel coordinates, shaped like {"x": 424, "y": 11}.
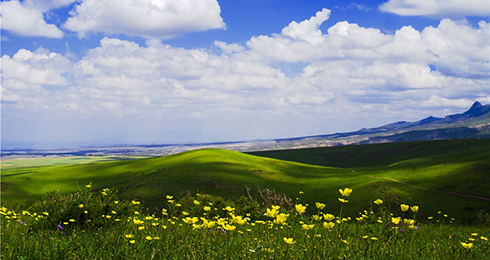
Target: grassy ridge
{"x": 442, "y": 166}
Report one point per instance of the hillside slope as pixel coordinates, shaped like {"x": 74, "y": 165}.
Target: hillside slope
{"x": 380, "y": 171}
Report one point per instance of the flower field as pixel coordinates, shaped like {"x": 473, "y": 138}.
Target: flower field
{"x": 97, "y": 225}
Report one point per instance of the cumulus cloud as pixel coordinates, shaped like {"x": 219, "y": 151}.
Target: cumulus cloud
{"x": 147, "y": 18}
{"x": 437, "y": 8}
{"x": 349, "y": 71}
{"x": 26, "y": 19}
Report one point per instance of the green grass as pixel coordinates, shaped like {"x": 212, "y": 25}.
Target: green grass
{"x": 441, "y": 166}
{"x": 97, "y": 225}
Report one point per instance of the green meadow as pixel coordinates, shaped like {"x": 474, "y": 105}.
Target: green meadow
{"x": 448, "y": 176}
{"x": 415, "y": 200}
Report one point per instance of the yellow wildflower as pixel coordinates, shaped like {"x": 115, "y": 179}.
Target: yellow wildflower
{"x": 328, "y": 217}
{"x": 89, "y": 185}
{"x": 238, "y": 220}
{"x": 346, "y": 192}
{"x": 206, "y": 208}
{"x": 80, "y": 206}
{"x": 272, "y": 213}
{"x": 289, "y": 241}
{"x": 484, "y": 238}
{"x": 229, "y": 227}
{"x": 319, "y": 205}
{"x": 467, "y": 245}
{"x": 414, "y": 209}
{"x": 374, "y": 238}
{"x": 169, "y": 197}
{"x": 71, "y": 220}
{"x": 149, "y": 238}
{"x": 281, "y": 218}
{"x": 300, "y": 208}
{"x": 190, "y": 220}
{"x": 474, "y": 234}
{"x": 308, "y": 227}
{"x": 132, "y": 241}
{"x": 343, "y": 201}
{"x": 404, "y": 207}
{"x": 129, "y": 236}
{"x": 396, "y": 220}
{"x": 328, "y": 225}
{"x": 228, "y": 208}
{"x": 317, "y": 218}
{"x": 196, "y": 202}
{"x": 141, "y": 228}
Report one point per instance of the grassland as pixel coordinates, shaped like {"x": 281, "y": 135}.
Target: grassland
{"x": 424, "y": 173}
{"x": 224, "y": 216}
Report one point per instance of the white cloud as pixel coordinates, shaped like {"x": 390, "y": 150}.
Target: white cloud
{"x": 147, "y": 18}
{"x": 307, "y": 30}
{"x": 40, "y": 67}
{"x": 25, "y": 20}
{"x": 350, "y": 73}
{"x": 437, "y": 8}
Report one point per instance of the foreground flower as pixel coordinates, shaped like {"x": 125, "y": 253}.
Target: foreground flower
{"x": 281, "y": 218}
{"x": 343, "y": 201}
{"x": 273, "y": 212}
{"x": 404, "y": 207}
{"x": 308, "y": 227}
{"x": 396, "y": 220}
{"x": 320, "y": 205}
{"x": 289, "y": 241}
{"x": 378, "y": 202}
{"x": 328, "y": 217}
{"x": 229, "y": 227}
{"x": 414, "y": 209}
{"x": 300, "y": 208}
{"x": 228, "y": 208}
{"x": 467, "y": 246}
{"x": 190, "y": 220}
{"x": 346, "y": 192}
{"x": 317, "y": 218}
{"x": 329, "y": 225}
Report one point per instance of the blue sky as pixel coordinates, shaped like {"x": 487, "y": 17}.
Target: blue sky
{"x": 99, "y": 72}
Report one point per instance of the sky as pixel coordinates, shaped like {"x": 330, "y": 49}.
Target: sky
{"x": 113, "y": 72}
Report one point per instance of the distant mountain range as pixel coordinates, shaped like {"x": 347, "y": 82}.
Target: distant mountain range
{"x": 474, "y": 123}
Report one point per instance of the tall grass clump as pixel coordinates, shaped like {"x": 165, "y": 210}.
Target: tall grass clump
{"x": 97, "y": 225}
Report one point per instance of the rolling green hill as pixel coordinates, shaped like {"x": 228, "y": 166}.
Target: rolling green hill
{"x": 386, "y": 171}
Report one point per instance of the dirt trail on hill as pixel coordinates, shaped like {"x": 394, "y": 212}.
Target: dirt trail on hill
{"x": 422, "y": 188}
